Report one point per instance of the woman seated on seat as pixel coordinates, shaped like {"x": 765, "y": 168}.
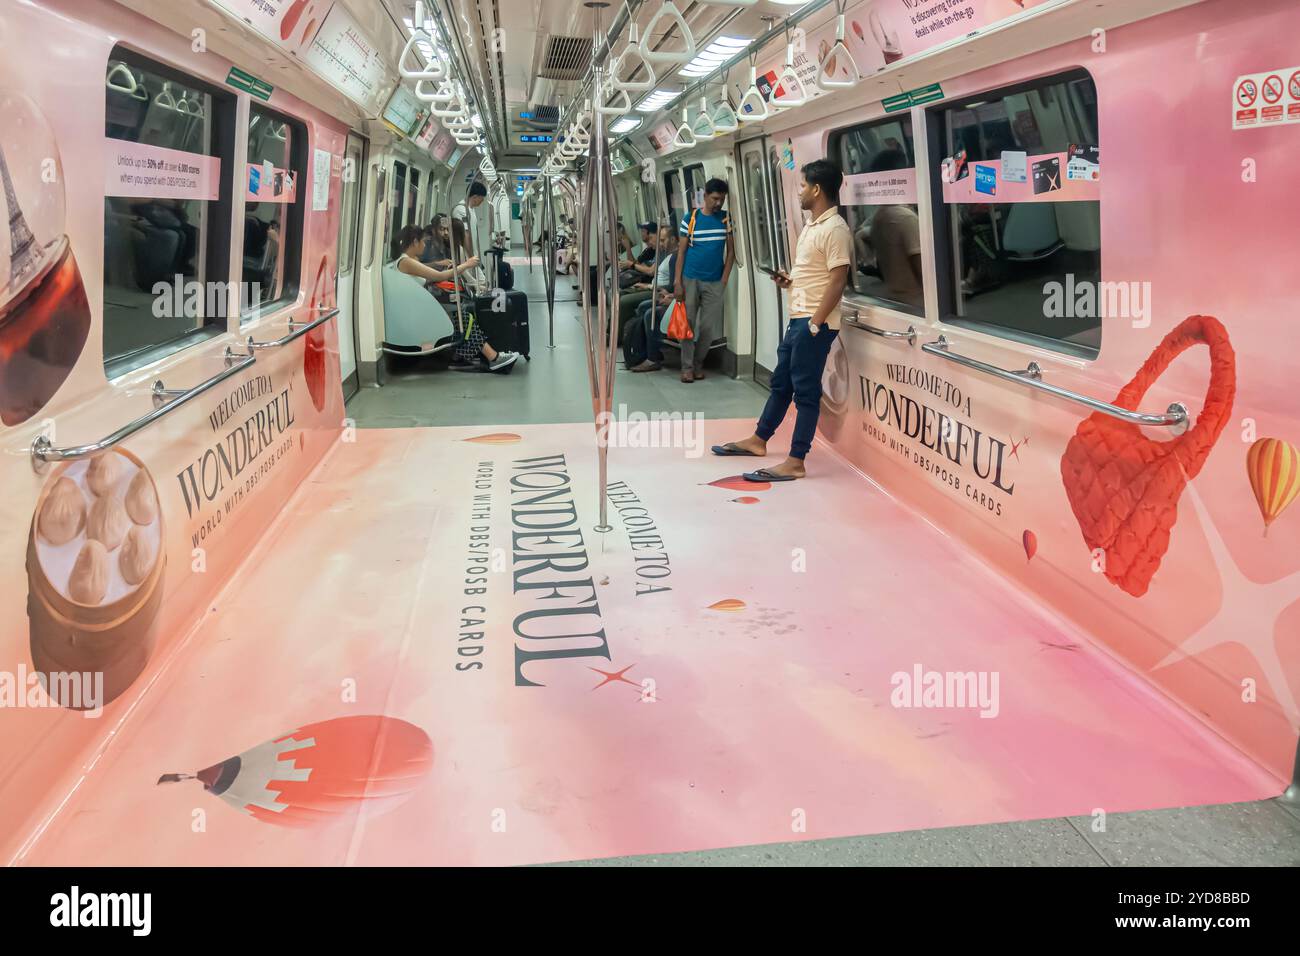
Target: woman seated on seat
{"x": 474, "y": 352}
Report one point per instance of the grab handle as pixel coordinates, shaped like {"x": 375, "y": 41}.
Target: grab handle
{"x": 44, "y": 452}
{"x": 123, "y": 69}
{"x": 709, "y": 130}
{"x": 433, "y": 68}
{"x": 857, "y": 323}
{"x": 839, "y": 48}
{"x": 634, "y": 48}
{"x": 754, "y": 99}
{"x": 787, "y": 75}
{"x": 293, "y": 333}
{"x": 685, "y": 137}
{"x": 1174, "y": 417}
{"x": 687, "y": 52}
{"x": 442, "y": 93}
{"x": 620, "y": 109}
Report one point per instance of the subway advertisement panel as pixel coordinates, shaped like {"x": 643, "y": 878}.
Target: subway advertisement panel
{"x": 109, "y": 560}
{"x": 1178, "y": 549}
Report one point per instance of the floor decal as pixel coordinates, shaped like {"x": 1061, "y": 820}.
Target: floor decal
{"x": 478, "y": 676}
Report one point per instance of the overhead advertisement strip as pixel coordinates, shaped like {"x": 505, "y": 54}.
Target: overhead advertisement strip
{"x": 324, "y": 37}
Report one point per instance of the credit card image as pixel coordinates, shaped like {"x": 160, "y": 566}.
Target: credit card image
{"x": 1047, "y": 175}
{"x": 1084, "y": 163}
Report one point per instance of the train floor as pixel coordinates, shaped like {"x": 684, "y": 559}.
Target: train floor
{"x": 712, "y": 677}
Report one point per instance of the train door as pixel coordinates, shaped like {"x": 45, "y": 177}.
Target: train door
{"x": 354, "y": 165}
{"x": 764, "y": 216}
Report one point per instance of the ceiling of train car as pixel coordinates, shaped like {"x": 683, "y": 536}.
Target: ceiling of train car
{"x": 532, "y": 56}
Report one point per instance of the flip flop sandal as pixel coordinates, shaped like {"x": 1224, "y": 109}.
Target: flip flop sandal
{"x": 764, "y": 475}
{"x": 731, "y": 449}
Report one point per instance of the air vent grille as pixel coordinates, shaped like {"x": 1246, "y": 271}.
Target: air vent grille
{"x": 566, "y": 58}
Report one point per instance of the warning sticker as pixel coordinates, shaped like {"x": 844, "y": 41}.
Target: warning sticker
{"x": 1270, "y": 98}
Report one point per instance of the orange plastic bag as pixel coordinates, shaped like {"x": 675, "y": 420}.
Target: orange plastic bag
{"x": 1124, "y": 487}
{"x": 678, "y": 326}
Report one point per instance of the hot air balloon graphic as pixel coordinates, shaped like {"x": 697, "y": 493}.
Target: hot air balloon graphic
{"x": 1273, "y": 467}
{"x": 323, "y": 772}
{"x": 1030, "y": 541}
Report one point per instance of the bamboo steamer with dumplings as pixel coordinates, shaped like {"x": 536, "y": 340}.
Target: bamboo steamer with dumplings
{"x": 95, "y": 562}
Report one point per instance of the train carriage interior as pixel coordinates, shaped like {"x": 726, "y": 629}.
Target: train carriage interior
{"x": 369, "y": 493}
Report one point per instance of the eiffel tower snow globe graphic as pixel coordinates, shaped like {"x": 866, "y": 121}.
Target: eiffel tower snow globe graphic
{"x": 44, "y": 312}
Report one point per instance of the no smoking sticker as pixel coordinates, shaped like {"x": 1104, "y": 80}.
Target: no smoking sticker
{"x": 1268, "y": 98}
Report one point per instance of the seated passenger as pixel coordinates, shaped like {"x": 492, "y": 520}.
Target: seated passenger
{"x": 635, "y": 274}
{"x": 437, "y": 253}
{"x": 896, "y": 240}
{"x": 474, "y": 352}
{"x": 653, "y": 319}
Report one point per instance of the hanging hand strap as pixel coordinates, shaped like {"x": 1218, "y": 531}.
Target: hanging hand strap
{"x": 837, "y": 50}
{"x": 687, "y": 51}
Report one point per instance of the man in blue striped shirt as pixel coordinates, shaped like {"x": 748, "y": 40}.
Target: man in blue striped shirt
{"x": 706, "y": 251}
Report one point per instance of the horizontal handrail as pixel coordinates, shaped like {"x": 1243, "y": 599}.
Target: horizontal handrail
{"x": 857, "y": 323}
{"x": 43, "y": 450}
{"x": 1174, "y": 417}
{"x": 294, "y": 333}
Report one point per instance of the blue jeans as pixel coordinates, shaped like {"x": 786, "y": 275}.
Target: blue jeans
{"x": 800, "y": 361}
{"x": 654, "y": 337}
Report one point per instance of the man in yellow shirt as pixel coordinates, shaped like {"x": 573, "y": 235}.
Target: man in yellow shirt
{"x": 821, "y": 271}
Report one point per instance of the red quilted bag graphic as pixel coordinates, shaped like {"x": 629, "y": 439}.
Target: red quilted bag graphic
{"x": 1124, "y": 487}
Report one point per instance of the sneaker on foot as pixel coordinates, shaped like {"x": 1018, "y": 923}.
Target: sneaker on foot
{"x": 688, "y": 376}
{"x": 648, "y": 366}
{"x": 503, "y": 362}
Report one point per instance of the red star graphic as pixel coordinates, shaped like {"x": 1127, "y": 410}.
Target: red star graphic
{"x": 1015, "y": 446}
{"x": 614, "y": 676}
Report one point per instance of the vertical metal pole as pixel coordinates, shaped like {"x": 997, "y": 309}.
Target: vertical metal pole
{"x": 455, "y": 248}
{"x": 548, "y": 255}
{"x": 526, "y": 221}
{"x": 599, "y": 195}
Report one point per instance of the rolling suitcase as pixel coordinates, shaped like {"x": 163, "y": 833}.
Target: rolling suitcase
{"x": 505, "y": 326}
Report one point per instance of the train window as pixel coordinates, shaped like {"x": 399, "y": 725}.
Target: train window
{"x": 1000, "y": 261}
{"x": 397, "y": 204}
{"x": 878, "y": 201}
{"x": 674, "y": 196}
{"x": 274, "y": 200}
{"x": 348, "y": 226}
{"x": 649, "y": 212}
{"x": 695, "y": 180}
{"x": 167, "y": 212}
{"x": 413, "y": 204}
